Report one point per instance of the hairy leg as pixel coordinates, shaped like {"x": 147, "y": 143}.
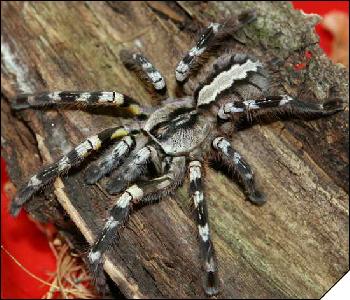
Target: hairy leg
{"x": 78, "y": 99}
{"x": 71, "y": 159}
{"x": 134, "y": 167}
{"x": 109, "y": 162}
{"x": 144, "y": 69}
{"x": 211, "y": 281}
{"x": 144, "y": 192}
{"x": 209, "y": 40}
{"x": 274, "y": 106}
{"x": 231, "y": 158}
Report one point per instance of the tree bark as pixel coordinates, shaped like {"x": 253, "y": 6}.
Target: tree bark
{"x": 295, "y": 246}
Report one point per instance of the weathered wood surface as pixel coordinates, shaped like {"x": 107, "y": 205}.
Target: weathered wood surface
{"x": 296, "y": 245}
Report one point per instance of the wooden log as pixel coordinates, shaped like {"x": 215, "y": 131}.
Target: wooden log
{"x": 295, "y": 246}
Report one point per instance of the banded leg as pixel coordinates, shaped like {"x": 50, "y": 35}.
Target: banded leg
{"x": 278, "y": 105}
{"x": 77, "y": 99}
{"x": 145, "y": 192}
{"x": 211, "y": 281}
{"x": 73, "y": 158}
{"x": 211, "y": 37}
{"x": 131, "y": 170}
{"x": 233, "y": 159}
{"x": 111, "y": 161}
{"x": 145, "y": 69}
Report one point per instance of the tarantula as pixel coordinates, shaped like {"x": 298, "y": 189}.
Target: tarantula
{"x": 180, "y": 134}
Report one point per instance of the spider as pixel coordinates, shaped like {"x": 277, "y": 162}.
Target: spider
{"x": 179, "y": 135}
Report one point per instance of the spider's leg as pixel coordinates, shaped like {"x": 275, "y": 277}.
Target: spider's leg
{"x": 144, "y": 69}
{"x": 78, "y": 99}
{"x": 131, "y": 170}
{"x": 272, "y": 106}
{"x": 73, "y": 158}
{"x": 144, "y": 192}
{"x": 111, "y": 161}
{"x": 211, "y": 281}
{"x": 212, "y": 37}
{"x": 231, "y": 158}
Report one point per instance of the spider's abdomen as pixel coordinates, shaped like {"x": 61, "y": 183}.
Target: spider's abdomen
{"x": 237, "y": 75}
{"x": 178, "y": 128}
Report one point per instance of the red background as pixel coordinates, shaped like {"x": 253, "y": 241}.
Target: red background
{"x": 29, "y": 245}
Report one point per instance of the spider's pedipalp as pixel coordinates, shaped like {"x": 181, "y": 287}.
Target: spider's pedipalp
{"x": 71, "y": 159}
{"x": 145, "y": 192}
{"x": 145, "y": 69}
{"x": 279, "y": 105}
{"x": 213, "y": 35}
{"x": 77, "y": 99}
{"x": 131, "y": 170}
{"x": 111, "y": 161}
{"x": 211, "y": 281}
{"x": 231, "y": 158}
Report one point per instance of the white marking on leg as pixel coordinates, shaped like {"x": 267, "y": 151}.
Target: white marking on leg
{"x": 182, "y": 68}
{"x": 204, "y": 232}
{"x": 83, "y": 97}
{"x": 142, "y": 155}
{"x": 124, "y": 200}
{"x": 128, "y": 140}
{"x": 63, "y": 164}
{"x": 222, "y": 144}
{"x": 135, "y": 191}
{"x": 95, "y": 141}
{"x": 55, "y": 96}
{"x": 34, "y": 181}
{"x": 195, "y": 51}
{"x": 215, "y": 27}
{"x": 94, "y": 256}
{"x": 195, "y": 163}
{"x": 236, "y": 158}
{"x": 118, "y": 98}
{"x": 210, "y": 265}
{"x": 111, "y": 223}
{"x": 285, "y": 100}
{"x": 160, "y": 84}
{"x": 251, "y": 104}
{"x": 120, "y": 149}
{"x": 132, "y": 193}
{"x": 181, "y": 71}
{"x": 156, "y": 79}
{"x": 83, "y": 149}
{"x": 227, "y": 109}
{"x": 198, "y": 197}
{"x": 195, "y": 172}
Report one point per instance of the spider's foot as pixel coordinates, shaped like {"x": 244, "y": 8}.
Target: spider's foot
{"x": 257, "y": 198}
{"x": 96, "y": 262}
{"x": 97, "y": 273}
{"x": 333, "y": 105}
{"x": 15, "y": 208}
{"x": 211, "y": 283}
{"x": 22, "y": 197}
